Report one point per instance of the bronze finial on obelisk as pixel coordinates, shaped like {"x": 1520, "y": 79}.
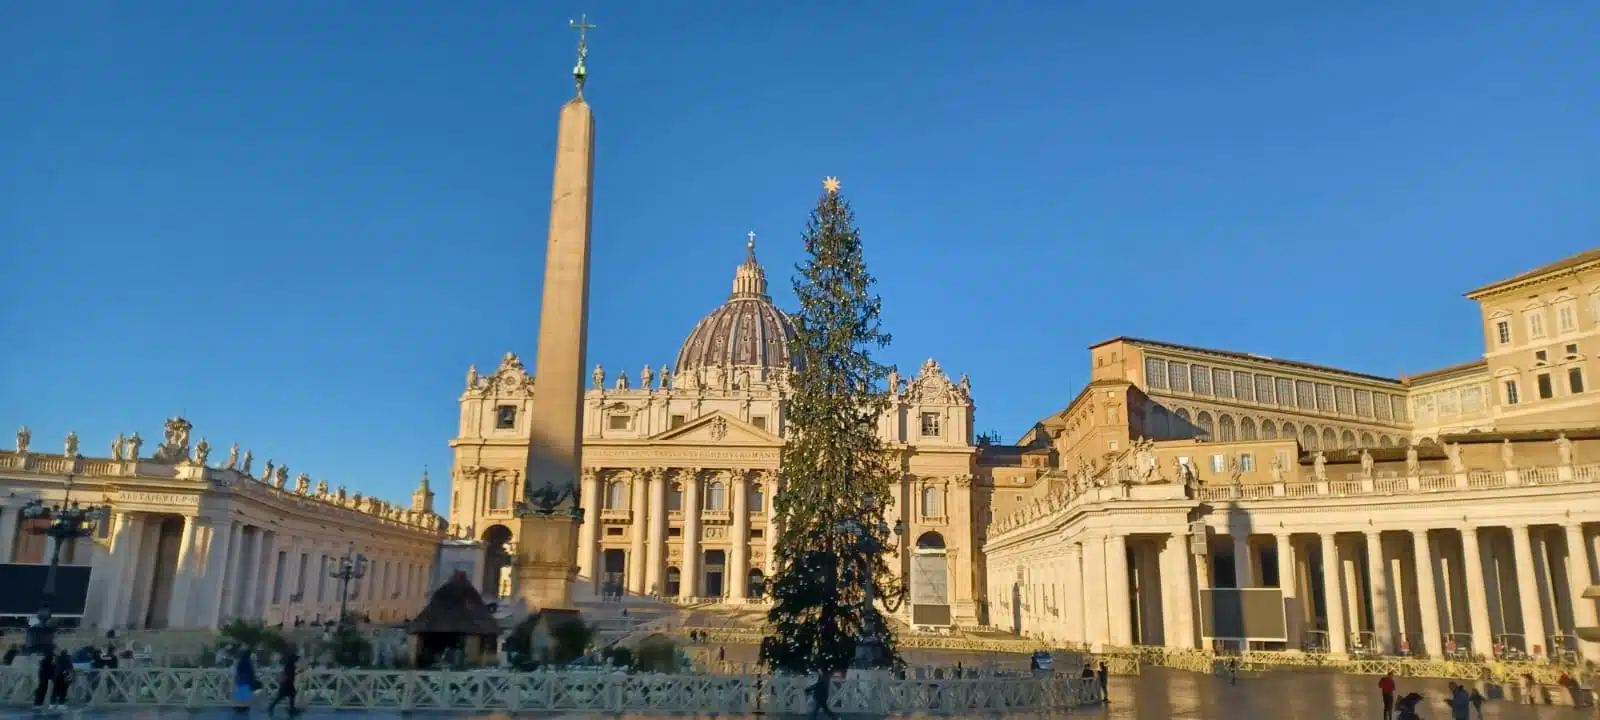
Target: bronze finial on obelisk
{"x": 580, "y": 72}
{"x": 551, "y": 548}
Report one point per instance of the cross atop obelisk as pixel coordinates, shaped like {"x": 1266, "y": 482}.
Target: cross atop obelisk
{"x": 580, "y": 72}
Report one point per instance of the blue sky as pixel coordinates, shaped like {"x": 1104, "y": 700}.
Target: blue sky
{"x": 298, "y": 222}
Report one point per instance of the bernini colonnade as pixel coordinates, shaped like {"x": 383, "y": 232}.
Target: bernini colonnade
{"x": 1475, "y": 562}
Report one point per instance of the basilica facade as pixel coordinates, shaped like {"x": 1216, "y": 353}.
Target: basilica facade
{"x": 681, "y": 463}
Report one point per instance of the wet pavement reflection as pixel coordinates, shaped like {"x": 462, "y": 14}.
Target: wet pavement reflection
{"x": 1157, "y": 694}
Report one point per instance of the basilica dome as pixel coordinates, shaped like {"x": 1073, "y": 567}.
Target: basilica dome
{"x": 746, "y": 331}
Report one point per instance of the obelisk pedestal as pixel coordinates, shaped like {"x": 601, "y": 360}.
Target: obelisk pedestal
{"x": 547, "y": 543}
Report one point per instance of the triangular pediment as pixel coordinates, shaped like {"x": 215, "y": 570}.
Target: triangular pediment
{"x": 717, "y": 428}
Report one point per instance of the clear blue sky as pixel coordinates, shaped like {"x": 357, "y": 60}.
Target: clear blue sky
{"x": 298, "y": 222}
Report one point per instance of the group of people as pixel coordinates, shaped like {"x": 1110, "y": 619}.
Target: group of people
{"x": 1462, "y": 701}
{"x": 246, "y": 683}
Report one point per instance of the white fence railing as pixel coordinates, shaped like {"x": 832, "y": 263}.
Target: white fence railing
{"x": 608, "y": 692}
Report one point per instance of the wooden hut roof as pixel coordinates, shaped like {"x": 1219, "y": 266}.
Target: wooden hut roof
{"x": 456, "y": 607}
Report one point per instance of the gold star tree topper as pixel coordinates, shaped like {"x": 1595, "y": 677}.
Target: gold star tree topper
{"x": 831, "y": 184}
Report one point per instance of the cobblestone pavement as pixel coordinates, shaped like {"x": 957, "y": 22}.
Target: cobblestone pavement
{"x": 1155, "y": 695}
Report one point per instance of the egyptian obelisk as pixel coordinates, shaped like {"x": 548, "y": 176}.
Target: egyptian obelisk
{"x": 548, "y": 542}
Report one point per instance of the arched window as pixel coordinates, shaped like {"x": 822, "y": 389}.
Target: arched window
{"x": 1203, "y": 420}
{"x": 1384, "y": 441}
{"x": 717, "y": 496}
{"x": 757, "y": 500}
{"x": 675, "y": 497}
{"x": 616, "y": 495}
{"x": 499, "y": 495}
{"x": 1330, "y": 440}
{"x": 930, "y": 502}
{"x": 1366, "y": 440}
{"x": 674, "y": 582}
{"x": 1268, "y": 430}
{"x": 1225, "y": 428}
{"x": 1308, "y": 438}
{"x": 1159, "y": 425}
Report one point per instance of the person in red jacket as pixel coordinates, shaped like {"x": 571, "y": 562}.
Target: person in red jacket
{"x": 1386, "y": 686}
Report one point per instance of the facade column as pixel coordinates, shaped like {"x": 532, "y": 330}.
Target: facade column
{"x": 1333, "y": 593}
{"x": 589, "y": 531}
{"x": 656, "y": 563}
{"x": 218, "y": 536}
{"x": 1073, "y": 601}
{"x": 1289, "y": 587}
{"x": 1578, "y": 577}
{"x": 183, "y": 577}
{"x": 1096, "y": 628}
{"x": 739, "y": 587}
{"x": 1117, "y": 599}
{"x": 774, "y": 486}
{"x": 1241, "y": 561}
{"x": 689, "y": 586}
{"x": 113, "y": 594}
{"x": 640, "y": 518}
{"x": 1528, "y": 590}
{"x": 9, "y": 515}
{"x": 129, "y": 582}
{"x": 269, "y": 577}
{"x": 1477, "y": 595}
{"x": 1377, "y": 582}
{"x": 1427, "y": 595}
{"x": 1177, "y": 593}
{"x": 250, "y": 578}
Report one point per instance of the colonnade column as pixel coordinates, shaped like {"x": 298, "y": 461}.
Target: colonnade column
{"x": 689, "y": 587}
{"x": 183, "y": 576}
{"x": 9, "y": 515}
{"x": 1177, "y": 592}
{"x": 1528, "y": 589}
{"x": 1333, "y": 593}
{"x": 1289, "y": 587}
{"x": 1377, "y": 581}
{"x": 251, "y": 578}
{"x": 1477, "y": 595}
{"x": 589, "y": 531}
{"x": 269, "y": 576}
{"x": 218, "y": 543}
{"x": 656, "y": 563}
{"x": 1578, "y": 577}
{"x": 1074, "y": 595}
{"x": 1427, "y": 594}
{"x": 1116, "y": 549}
{"x": 739, "y": 587}
{"x": 1096, "y": 631}
{"x": 642, "y": 516}
{"x": 113, "y": 595}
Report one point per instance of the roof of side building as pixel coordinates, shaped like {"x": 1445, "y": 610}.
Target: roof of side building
{"x": 1574, "y": 262}
{"x": 1249, "y": 357}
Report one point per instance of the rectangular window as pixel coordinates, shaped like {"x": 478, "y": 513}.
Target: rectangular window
{"x": 1325, "y": 398}
{"x": 1502, "y": 331}
{"x": 1567, "y": 318}
{"x": 1344, "y": 399}
{"x": 1244, "y": 387}
{"x": 1284, "y": 461}
{"x": 1303, "y": 395}
{"x": 614, "y": 532}
{"x": 1264, "y": 389}
{"x": 1575, "y": 380}
{"x": 1155, "y": 373}
{"x": 1222, "y": 380}
{"x": 1200, "y": 380}
{"x": 1285, "y": 393}
{"x": 674, "y": 532}
{"x": 1547, "y": 389}
{"x": 1471, "y": 399}
{"x": 617, "y": 422}
{"x": 1219, "y": 463}
{"x": 930, "y": 424}
{"x": 1247, "y": 462}
{"x": 676, "y": 421}
{"x": 1178, "y": 375}
{"x": 1380, "y": 406}
{"x": 1424, "y": 407}
{"x": 1511, "y": 392}
{"x": 1541, "y": 356}
{"x": 1572, "y": 349}
{"x": 1399, "y": 407}
{"x": 1448, "y": 407}
{"x": 759, "y": 421}
{"x": 1364, "y": 403}
{"x": 756, "y": 534}
{"x": 505, "y": 417}
{"x": 1536, "y": 324}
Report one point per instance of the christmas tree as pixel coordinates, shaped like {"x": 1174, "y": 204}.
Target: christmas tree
{"x": 837, "y": 476}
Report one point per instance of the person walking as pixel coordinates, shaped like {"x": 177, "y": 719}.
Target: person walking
{"x": 1460, "y": 703}
{"x": 47, "y": 673}
{"x": 63, "y": 680}
{"x": 286, "y": 678}
{"x": 1386, "y": 686}
{"x": 1104, "y": 676}
{"x": 244, "y": 681}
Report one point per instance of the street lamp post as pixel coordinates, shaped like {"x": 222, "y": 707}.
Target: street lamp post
{"x": 68, "y": 521}
{"x": 353, "y": 566}
{"x": 869, "y": 646}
